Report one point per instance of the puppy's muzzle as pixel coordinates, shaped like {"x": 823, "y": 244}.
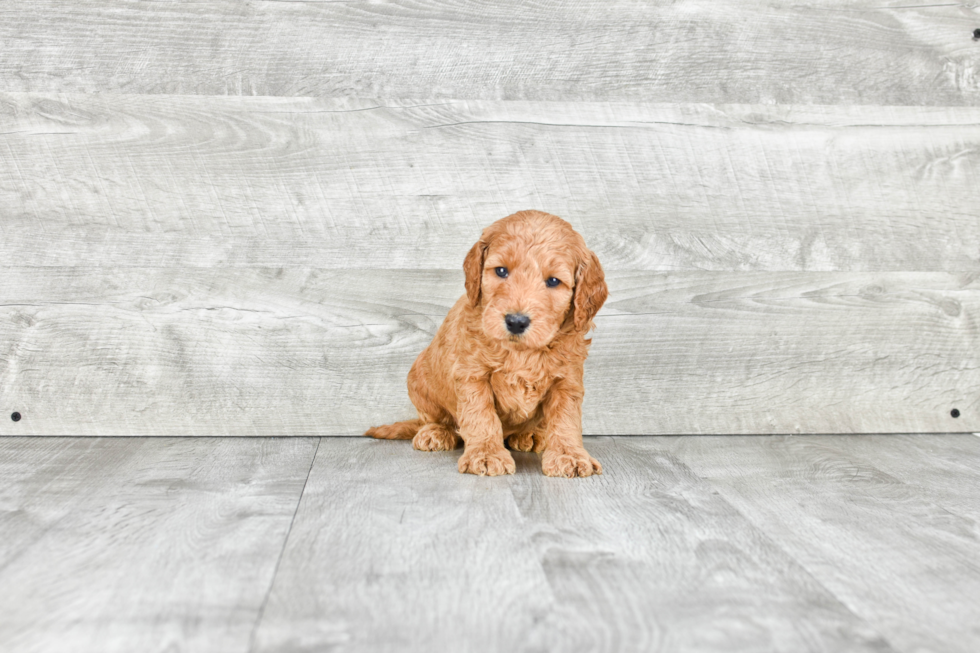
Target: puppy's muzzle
{"x": 517, "y": 323}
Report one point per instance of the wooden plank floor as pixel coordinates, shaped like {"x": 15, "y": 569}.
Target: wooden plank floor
{"x": 711, "y": 543}
{"x": 140, "y": 544}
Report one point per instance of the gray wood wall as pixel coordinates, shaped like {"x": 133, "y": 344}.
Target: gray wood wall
{"x": 247, "y": 218}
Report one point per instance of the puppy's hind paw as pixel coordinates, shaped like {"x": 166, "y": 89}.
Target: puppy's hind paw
{"x": 435, "y": 437}
{"x": 521, "y": 442}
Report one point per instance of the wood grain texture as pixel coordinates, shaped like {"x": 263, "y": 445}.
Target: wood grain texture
{"x": 325, "y": 352}
{"x": 846, "y": 51}
{"x": 162, "y": 181}
{"x": 392, "y": 549}
{"x": 133, "y": 544}
{"x": 947, "y": 476}
{"x": 707, "y": 543}
{"x": 890, "y": 550}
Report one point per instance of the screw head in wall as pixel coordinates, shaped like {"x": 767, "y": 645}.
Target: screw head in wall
{"x": 15, "y": 416}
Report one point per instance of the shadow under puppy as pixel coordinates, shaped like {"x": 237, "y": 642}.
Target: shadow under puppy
{"x": 506, "y": 364}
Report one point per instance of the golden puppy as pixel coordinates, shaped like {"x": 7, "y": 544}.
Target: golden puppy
{"x": 506, "y": 364}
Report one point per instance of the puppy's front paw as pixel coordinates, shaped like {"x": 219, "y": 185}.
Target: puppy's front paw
{"x": 435, "y": 437}
{"x": 485, "y": 462}
{"x": 569, "y": 463}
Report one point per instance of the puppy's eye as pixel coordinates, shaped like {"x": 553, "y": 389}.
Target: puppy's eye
{"x": 501, "y": 272}
{"x": 551, "y": 282}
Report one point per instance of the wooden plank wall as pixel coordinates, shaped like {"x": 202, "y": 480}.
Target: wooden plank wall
{"x": 248, "y": 218}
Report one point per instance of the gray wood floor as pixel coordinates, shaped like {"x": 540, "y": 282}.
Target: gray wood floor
{"x": 750, "y": 543}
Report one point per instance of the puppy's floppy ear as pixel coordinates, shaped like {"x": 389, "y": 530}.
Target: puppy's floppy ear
{"x": 473, "y": 267}
{"x": 590, "y": 291}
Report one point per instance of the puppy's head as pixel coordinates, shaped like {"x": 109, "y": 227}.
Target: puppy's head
{"x": 531, "y": 274}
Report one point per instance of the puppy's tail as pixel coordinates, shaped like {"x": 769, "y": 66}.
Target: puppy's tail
{"x": 398, "y": 431}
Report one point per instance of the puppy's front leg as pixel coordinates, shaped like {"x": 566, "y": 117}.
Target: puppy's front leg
{"x": 479, "y": 426}
{"x": 564, "y": 453}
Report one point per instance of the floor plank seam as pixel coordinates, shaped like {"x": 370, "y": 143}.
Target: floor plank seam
{"x": 789, "y": 555}
{"x": 285, "y": 541}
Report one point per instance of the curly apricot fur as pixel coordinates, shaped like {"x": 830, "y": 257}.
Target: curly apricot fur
{"x": 485, "y": 385}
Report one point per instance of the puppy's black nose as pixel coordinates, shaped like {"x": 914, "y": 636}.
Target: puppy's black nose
{"x": 517, "y": 323}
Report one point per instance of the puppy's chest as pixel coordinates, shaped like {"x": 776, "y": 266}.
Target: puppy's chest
{"x": 518, "y": 393}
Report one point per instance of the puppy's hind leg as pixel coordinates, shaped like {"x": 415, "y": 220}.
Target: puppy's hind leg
{"x": 398, "y": 431}
{"x": 435, "y": 437}
{"x": 424, "y": 436}
{"x": 526, "y": 441}
{"x": 438, "y": 429}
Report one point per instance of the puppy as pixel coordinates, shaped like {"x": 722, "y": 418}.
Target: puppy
{"x": 506, "y": 364}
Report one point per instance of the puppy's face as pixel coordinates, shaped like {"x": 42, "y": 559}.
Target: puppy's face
{"x": 527, "y": 292}
{"x": 531, "y": 274}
